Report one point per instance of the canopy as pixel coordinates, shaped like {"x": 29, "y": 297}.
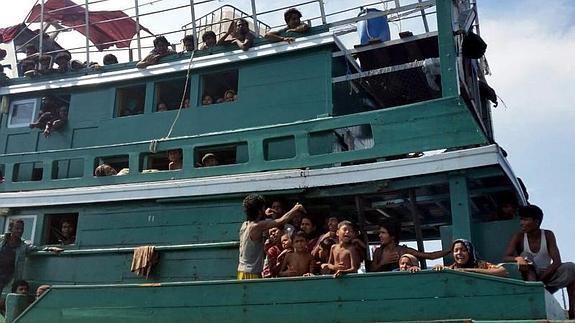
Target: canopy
{"x": 67, "y": 13}
{"x": 9, "y": 33}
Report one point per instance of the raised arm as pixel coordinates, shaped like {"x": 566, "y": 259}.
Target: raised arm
{"x": 427, "y": 255}
{"x": 490, "y": 269}
{"x": 262, "y": 226}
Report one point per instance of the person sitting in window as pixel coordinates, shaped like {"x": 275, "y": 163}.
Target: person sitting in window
{"x": 162, "y": 107}
{"x": 210, "y": 160}
{"x": 292, "y": 18}
{"x": 230, "y": 96}
{"x": 189, "y": 43}
{"x": 465, "y": 259}
{"x": 209, "y": 39}
{"x": 105, "y": 170}
{"x": 67, "y": 232}
{"x": 52, "y": 116}
{"x": 175, "y": 157}
{"x": 207, "y": 100}
{"x": 161, "y": 49}
{"x": 241, "y": 35}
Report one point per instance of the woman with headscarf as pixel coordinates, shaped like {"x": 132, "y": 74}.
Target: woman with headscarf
{"x": 466, "y": 260}
{"x": 408, "y": 262}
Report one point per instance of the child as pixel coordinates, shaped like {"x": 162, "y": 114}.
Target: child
{"x": 175, "y": 157}
{"x": 343, "y": 258}
{"x": 273, "y": 249}
{"x": 409, "y": 263}
{"x": 332, "y": 224}
{"x": 229, "y": 96}
{"x": 209, "y": 39}
{"x": 207, "y": 100}
{"x": 162, "y": 107}
{"x": 299, "y": 262}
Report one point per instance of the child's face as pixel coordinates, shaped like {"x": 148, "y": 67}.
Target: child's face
{"x": 404, "y": 264}
{"x": 67, "y": 229}
{"x": 286, "y": 242}
{"x": 274, "y": 234}
{"x": 332, "y": 224}
{"x": 162, "y": 107}
{"x": 210, "y": 41}
{"x": 293, "y": 21}
{"x": 345, "y": 233}
{"x": 207, "y": 100}
{"x": 22, "y": 290}
{"x": 229, "y": 96}
{"x": 299, "y": 244}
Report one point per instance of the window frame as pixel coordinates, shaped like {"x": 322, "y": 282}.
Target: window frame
{"x": 34, "y": 218}
{"x": 11, "y": 112}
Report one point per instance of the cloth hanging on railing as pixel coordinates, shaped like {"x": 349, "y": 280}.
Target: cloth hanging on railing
{"x": 144, "y": 260}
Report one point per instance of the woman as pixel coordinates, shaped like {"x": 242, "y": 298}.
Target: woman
{"x": 386, "y": 257}
{"x": 409, "y": 263}
{"x": 466, "y": 260}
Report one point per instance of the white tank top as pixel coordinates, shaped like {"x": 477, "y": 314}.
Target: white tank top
{"x": 251, "y": 258}
{"x": 541, "y": 259}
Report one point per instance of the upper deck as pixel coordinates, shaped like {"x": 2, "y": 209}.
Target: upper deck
{"x": 314, "y": 103}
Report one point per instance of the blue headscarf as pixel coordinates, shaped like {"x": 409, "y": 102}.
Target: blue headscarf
{"x": 472, "y": 262}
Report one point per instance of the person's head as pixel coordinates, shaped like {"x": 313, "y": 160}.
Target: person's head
{"x": 161, "y": 44}
{"x": 278, "y": 208}
{"x": 41, "y": 290}
{"x": 242, "y": 26}
{"x": 345, "y": 231}
{"x": 209, "y": 160}
{"x": 463, "y": 253}
{"x": 332, "y": 223}
{"x": 286, "y": 241}
{"x": 162, "y": 107}
{"x": 207, "y": 100}
{"x": 110, "y": 59}
{"x": 16, "y": 228}
{"x": 307, "y": 225}
{"x": 189, "y": 43}
{"x": 67, "y": 229}
{"x": 28, "y": 65}
{"x": 3, "y": 54}
{"x": 186, "y": 103}
{"x": 105, "y": 170}
{"x": 174, "y": 155}
{"x": 275, "y": 235}
{"x": 299, "y": 241}
{"x": 530, "y": 218}
{"x": 229, "y": 96}
{"x": 31, "y": 49}
{"x": 209, "y": 39}
{"x": 20, "y": 287}
{"x": 292, "y": 17}
{"x": 254, "y": 207}
{"x": 388, "y": 234}
{"x": 407, "y": 261}
{"x": 63, "y": 61}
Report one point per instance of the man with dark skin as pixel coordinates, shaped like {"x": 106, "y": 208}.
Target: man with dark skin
{"x": 241, "y": 35}
{"x": 537, "y": 256}
{"x": 292, "y": 18}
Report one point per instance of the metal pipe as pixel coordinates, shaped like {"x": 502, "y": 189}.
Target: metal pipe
{"x": 41, "y": 33}
{"x": 138, "y": 39}
{"x": 255, "y": 17}
{"x": 417, "y": 225}
{"x": 87, "y": 28}
{"x": 193, "y": 14}
{"x": 424, "y": 17}
{"x": 322, "y": 10}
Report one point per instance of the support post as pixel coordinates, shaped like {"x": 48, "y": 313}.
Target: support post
{"x": 255, "y": 17}
{"x": 417, "y": 224}
{"x": 361, "y": 224}
{"x": 193, "y": 14}
{"x": 322, "y": 11}
{"x": 138, "y": 36}
{"x": 460, "y": 211}
{"x": 447, "y": 53}
{"x": 41, "y": 33}
{"x": 424, "y": 18}
{"x": 87, "y": 28}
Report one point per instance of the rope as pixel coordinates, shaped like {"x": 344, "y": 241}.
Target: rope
{"x": 183, "y": 96}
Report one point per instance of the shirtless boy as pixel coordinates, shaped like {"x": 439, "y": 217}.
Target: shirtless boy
{"x": 343, "y": 258}
{"x": 299, "y": 262}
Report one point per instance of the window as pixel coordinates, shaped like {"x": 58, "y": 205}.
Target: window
{"x": 60, "y": 228}
{"x": 341, "y": 139}
{"x": 2, "y": 172}
{"x": 26, "y": 172}
{"x": 219, "y": 87}
{"x": 29, "y": 222}
{"x": 279, "y": 148}
{"x": 68, "y": 168}
{"x": 165, "y": 160}
{"x": 130, "y": 100}
{"x": 112, "y": 165}
{"x": 169, "y": 95}
{"x": 217, "y": 155}
{"x": 21, "y": 113}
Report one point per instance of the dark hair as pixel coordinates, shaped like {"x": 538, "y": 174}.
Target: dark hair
{"x": 18, "y": 283}
{"x": 13, "y": 223}
{"x": 66, "y": 55}
{"x": 327, "y": 243}
{"x": 531, "y": 211}
{"x": 299, "y": 234}
{"x": 244, "y": 21}
{"x": 290, "y": 12}
{"x": 282, "y": 201}
{"x": 188, "y": 37}
{"x": 345, "y": 222}
{"x": 472, "y": 261}
{"x": 160, "y": 39}
{"x": 392, "y": 229}
{"x": 207, "y": 34}
{"x": 253, "y": 204}
{"x": 110, "y": 59}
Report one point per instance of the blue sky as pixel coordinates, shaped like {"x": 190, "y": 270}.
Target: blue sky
{"x": 531, "y": 44}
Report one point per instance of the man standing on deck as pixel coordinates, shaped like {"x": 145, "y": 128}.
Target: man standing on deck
{"x": 537, "y": 255}
{"x": 251, "y": 259}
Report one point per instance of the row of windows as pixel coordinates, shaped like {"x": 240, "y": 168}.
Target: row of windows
{"x": 321, "y": 142}
{"x": 59, "y": 228}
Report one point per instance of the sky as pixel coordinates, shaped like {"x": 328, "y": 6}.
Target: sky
{"x": 531, "y": 45}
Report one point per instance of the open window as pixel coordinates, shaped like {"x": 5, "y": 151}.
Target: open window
{"x": 169, "y": 95}
{"x": 2, "y": 172}
{"x": 219, "y": 87}
{"x": 22, "y": 113}
{"x": 60, "y": 228}
{"x": 341, "y": 139}
{"x": 28, "y": 172}
{"x": 130, "y": 100}
{"x": 217, "y": 155}
{"x": 161, "y": 161}
{"x": 68, "y": 168}
{"x": 112, "y": 165}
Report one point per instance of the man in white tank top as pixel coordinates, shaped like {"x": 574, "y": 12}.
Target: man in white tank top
{"x": 251, "y": 257}
{"x": 537, "y": 255}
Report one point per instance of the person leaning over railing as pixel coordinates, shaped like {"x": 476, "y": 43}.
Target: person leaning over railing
{"x": 161, "y": 49}
{"x": 292, "y": 18}
{"x": 241, "y": 35}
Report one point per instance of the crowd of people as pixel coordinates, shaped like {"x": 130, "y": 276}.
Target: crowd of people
{"x": 276, "y": 243}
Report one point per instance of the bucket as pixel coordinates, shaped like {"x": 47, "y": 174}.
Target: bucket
{"x": 374, "y": 28}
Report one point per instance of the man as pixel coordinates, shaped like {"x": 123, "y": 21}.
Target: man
{"x": 189, "y": 43}
{"x": 251, "y": 258}
{"x": 537, "y": 255}
{"x": 241, "y": 35}
{"x": 13, "y": 251}
{"x": 292, "y": 18}
{"x": 161, "y": 49}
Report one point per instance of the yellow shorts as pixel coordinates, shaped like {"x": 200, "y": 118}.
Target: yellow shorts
{"x": 242, "y": 275}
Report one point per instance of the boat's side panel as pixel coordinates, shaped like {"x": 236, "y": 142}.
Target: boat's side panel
{"x": 370, "y": 297}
